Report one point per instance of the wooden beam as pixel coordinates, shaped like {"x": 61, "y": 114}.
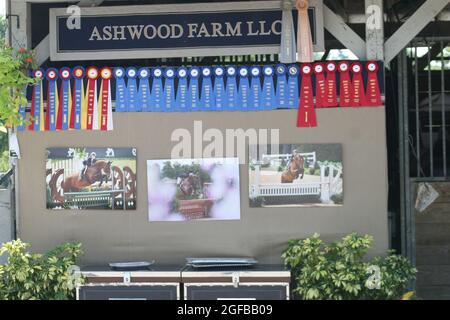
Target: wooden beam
{"x": 42, "y": 50}
{"x": 342, "y": 32}
{"x": 374, "y": 30}
{"x": 424, "y": 15}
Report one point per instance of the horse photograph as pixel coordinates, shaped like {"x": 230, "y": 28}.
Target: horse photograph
{"x": 296, "y": 175}
{"x": 188, "y": 189}
{"x": 91, "y": 178}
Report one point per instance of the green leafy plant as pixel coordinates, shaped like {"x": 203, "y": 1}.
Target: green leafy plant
{"x": 337, "y": 271}
{"x": 13, "y": 80}
{"x": 35, "y": 276}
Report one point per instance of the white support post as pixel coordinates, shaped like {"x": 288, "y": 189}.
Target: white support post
{"x": 257, "y": 179}
{"x": 374, "y": 29}
{"x": 19, "y": 17}
{"x": 411, "y": 28}
{"x": 342, "y": 32}
{"x": 324, "y": 186}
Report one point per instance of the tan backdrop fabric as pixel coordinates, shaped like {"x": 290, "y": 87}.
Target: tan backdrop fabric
{"x": 261, "y": 233}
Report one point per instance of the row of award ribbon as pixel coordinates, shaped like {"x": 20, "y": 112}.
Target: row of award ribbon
{"x": 78, "y": 105}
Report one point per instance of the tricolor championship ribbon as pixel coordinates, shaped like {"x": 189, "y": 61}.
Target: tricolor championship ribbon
{"x": 78, "y": 74}
{"x": 244, "y": 89}
{"x": 52, "y": 99}
{"x": 157, "y": 93}
{"x": 133, "y": 104}
{"x": 208, "y": 99}
{"x": 219, "y": 88}
{"x": 287, "y": 47}
{"x": 194, "y": 90}
{"x": 330, "y": 86}
{"x": 65, "y": 100}
{"x": 231, "y": 101}
{"x": 292, "y": 93}
{"x": 169, "y": 90}
{"x": 121, "y": 94}
{"x": 281, "y": 90}
{"x": 373, "y": 95}
{"x": 22, "y": 114}
{"x": 144, "y": 89}
{"x": 306, "y": 114}
{"x": 358, "y": 97}
{"x": 37, "y": 103}
{"x": 91, "y": 99}
{"x": 320, "y": 84}
{"x": 255, "y": 90}
{"x": 182, "y": 98}
{"x": 345, "y": 88}
{"x": 105, "y": 116}
{"x": 268, "y": 90}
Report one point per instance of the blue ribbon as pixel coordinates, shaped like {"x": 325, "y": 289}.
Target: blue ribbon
{"x": 65, "y": 97}
{"x": 282, "y": 90}
{"x": 156, "y": 96}
{"x": 244, "y": 89}
{"x": 292, "y": 92}
{"x": 51, "y": 99}
{"x": 255, "y": 90}
{"x": 78, "y": 98}
{"x": 182, "y": 98}
{"x": 121, "y": 95}
{"x": 219, "y": 88}
{"x": 268, "y": 93}
{"x": 208, "y": 100}
{"x": 169, "y": 90}
{"x": 193, "y": 91}
{"x": 231, "y": 90}
{"x": 144, "y": 89}
{"x": 132, "y": 99}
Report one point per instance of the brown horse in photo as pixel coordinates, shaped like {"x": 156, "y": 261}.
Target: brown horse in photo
{"x": 190, "y": 184}
{"x": 98, "y": 172}
{"x": 295, "y": 168}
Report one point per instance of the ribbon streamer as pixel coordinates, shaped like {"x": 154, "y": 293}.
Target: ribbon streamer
{"x": 330, "y": 86}
{"x": 182, "y": 98}
{"x": 244, "y": 89}
{"x": 268, "y": 91}
{"x": 144, "y": 89}
{"x": 91, "y": 99}
{"x": 255, "y": 93}
{"x": 156, "y": 95}
{"x": 133, "y": 104}
{"x": 105, "y": 116}
{"x": 358, "y": 97}
{"x": 373, "y": 95}
{"x": 52, "y": 100}
{"x": 231, "y": 90}
{"x": 320, "y": 84}
{"x": 194, "y": 92}
{"x": 121, "y": 96}
{"x": 287, "y": 46}
{"x": 65, "y": 100}
{"x": 169, "y": 90}
{"x": 208, "y": 100}
{"x": 293, "y": 75}
{"x": 219, "y": 88}
{"x": 345, "y": 88}
{"x": 304, "y": 39}
{"x": 282, "y": 90}
{"x": 306, "y": 116}
{"x": 77, "y": 98}
{"x": 37, "y": 103}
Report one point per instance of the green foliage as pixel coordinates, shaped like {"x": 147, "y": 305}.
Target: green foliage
{"x": 34, "y": 276}
{"x": 4, "y": 154}
{"x": 13, "y": 81}
{"x": 2, "y": 29}
{"x": 337, "y": 271}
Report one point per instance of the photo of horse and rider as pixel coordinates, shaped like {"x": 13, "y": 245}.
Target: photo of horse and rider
{"x": 188, "y": 189}
{"x": 91, "y": 178}
{"x": 296, "y": 175}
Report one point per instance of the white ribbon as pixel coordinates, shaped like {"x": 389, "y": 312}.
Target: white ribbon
{"x": 287, "y": 46}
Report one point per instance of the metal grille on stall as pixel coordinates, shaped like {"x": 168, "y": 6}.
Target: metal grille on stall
{"x": 424, "y": 104}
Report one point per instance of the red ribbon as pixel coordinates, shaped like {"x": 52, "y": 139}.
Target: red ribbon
{"x": 345, "y": 88}
{"x": 92, "y": 74}
{"x": 358, "y": 97}
{"x": 105, "y": 74}
{"x": 320, "y": 84}
{"x": 373, "y": 95}
{"x": 330, "y": 86}
{"x": 306, "y": 116}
